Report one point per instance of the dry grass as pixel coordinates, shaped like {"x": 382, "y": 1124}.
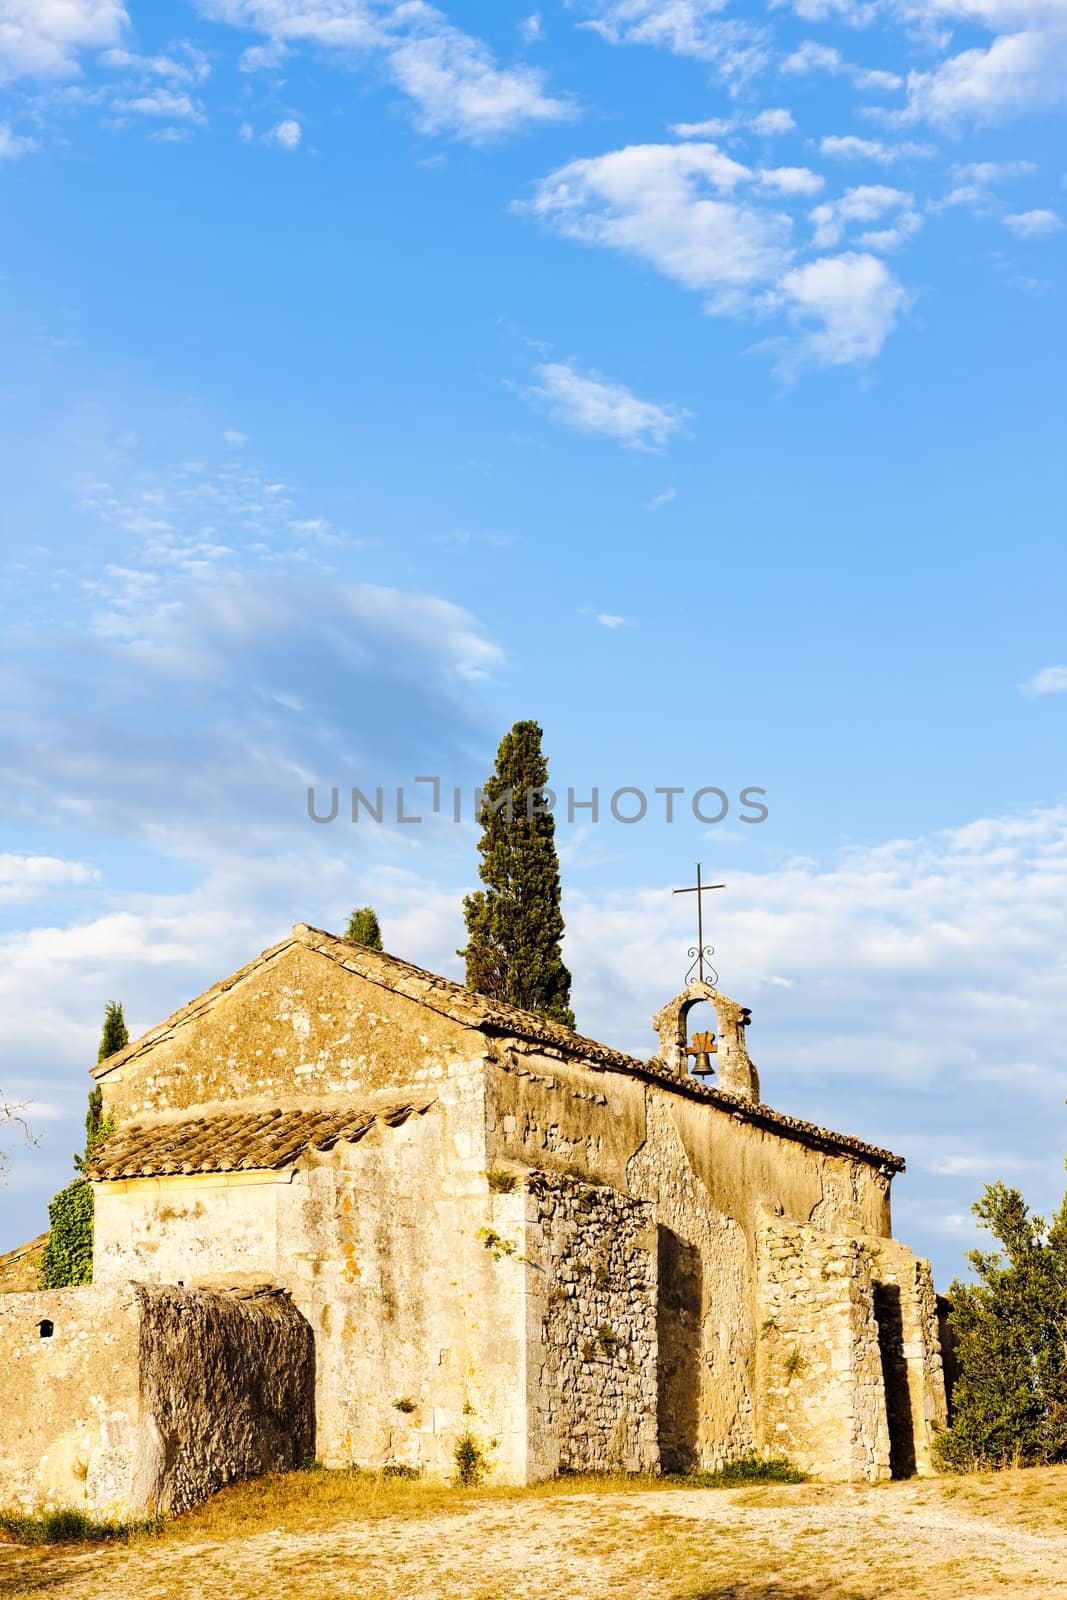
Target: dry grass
{"x": 324, "y": 1536}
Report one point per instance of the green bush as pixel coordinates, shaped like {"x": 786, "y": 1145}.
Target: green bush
{"x": 747, "y": 1469}
{"x": 470, "y": 1460}
{"x": 1009, "y": 1400}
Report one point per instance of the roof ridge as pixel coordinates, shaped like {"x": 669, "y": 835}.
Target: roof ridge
{"x": 475, "y": 1011}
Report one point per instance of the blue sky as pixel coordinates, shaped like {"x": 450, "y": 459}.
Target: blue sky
{"x": 685, "y": 375}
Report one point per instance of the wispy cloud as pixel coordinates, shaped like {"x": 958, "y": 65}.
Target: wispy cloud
{"x": 664, "y": 498}
{"x": 1050, "y": 680}
{"x": 591, "y": 403}
{"x": 452, "y": 78}
{"x": 812, "y": 57}
{"x": 774, "y": 120}
{"x": 865, "y": 204}
{"x": 736, "y": 50}
{"x": 850, "y": 147}
{"x": 1033, "y": 224}
{"x": 162, "y": 102}
{"x": 14, "y": 145}
{"x": 25, "y": 877}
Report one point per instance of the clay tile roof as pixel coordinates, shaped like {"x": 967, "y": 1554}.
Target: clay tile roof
{"x": 240, "y": 1141}
{"x": 493, "y": 1017}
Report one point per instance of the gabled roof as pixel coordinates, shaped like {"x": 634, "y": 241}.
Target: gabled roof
{"x": 244, "y": 1141}
{"x": 493, "y": 1018}
{"x": 401, "y": 977}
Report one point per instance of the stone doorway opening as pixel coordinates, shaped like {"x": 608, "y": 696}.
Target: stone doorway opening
{"x": 889, "y": 1316}
{"x": 679, "y": 1316}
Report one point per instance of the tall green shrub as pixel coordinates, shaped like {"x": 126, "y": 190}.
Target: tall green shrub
{"x": 364, "y": 928}
{"x": 1009, "y": 1400}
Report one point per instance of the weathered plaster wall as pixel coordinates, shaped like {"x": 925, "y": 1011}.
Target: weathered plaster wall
{"x": 819, "y": 1390}
{"x": 299, "y": 1026}
{"x": 590, "y": 1256}
{"x": 379, "y": 1244}
{"x": 709, "y": 1176}
{"x": 146, "y": 1398}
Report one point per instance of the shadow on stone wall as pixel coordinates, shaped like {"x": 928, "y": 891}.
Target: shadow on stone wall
{"x": 678, "y": 1330}
{"x": 887, "y": 1310}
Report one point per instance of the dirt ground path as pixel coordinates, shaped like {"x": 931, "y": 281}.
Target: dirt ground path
{"x": 773, "y": 1543}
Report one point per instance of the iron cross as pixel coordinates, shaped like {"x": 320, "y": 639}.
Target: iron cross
{"x": 700, "y": 889}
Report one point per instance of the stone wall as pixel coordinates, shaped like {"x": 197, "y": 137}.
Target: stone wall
{"x": 591, "y": 1281}
{"x": 907, "y": 1310}
{"x": 708, "y": 1177}
{"x": 819, "y": 1388}
{"x": 132, "y": 1399}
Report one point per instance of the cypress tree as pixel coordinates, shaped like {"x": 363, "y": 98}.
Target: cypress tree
{"x": 514, "y": 924}
{"x": 114, "y": 1036}
{"x": 363, "y": 928}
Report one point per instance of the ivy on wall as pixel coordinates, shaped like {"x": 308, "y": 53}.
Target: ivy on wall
{"x": 67, "y": 1258}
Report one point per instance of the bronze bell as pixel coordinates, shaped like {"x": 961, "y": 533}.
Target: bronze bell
{"x": 702, "y": 1049}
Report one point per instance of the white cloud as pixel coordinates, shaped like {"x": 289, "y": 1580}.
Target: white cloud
{"x": 849, "y": 147}
{"x": 44, "y": 37}
{"x": 13, "y": 145}
{"x": 608, "y": 619}
{"x": 1033, "y": 224}
{"x": 767, "y": 123}
{"x": 287, "y": 133}
{"x": 684, "y": 208}
{"x": 853, "y": 13}
{"x": 811, "y": 57}
{"x": 864, "y": 204}
{"x": 710, "y": 128}
{"x": 593, "y": 404}
{"x": 991, "y": 1166}
{"x": 1050, "y": 680}
{"x": 671, "y": 205}
{"x": 531, "y": 28}
{"x": 452, "y": 78}
{"x": 194, "y": 66}
{"x": 775, "y": 119}
{"x": 1022, "y": 70}
{"x": 25, "y": 877}
{"x": 162, "y": 103}
{"x": 791, "y": 180}
{"x": 695, "y": 28}
{"x": 664, "y": 498}
{"x": 458, "y": 88}
{"x": 984, "y": 172}
{"x": 234, "y": 437}
{"x": 855, "y": 301}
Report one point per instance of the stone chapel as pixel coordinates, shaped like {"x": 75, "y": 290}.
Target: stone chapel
{"x": 353, "y": 1212}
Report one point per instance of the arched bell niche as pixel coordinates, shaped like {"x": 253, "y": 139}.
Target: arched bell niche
{"x": 735, "y": 1071}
